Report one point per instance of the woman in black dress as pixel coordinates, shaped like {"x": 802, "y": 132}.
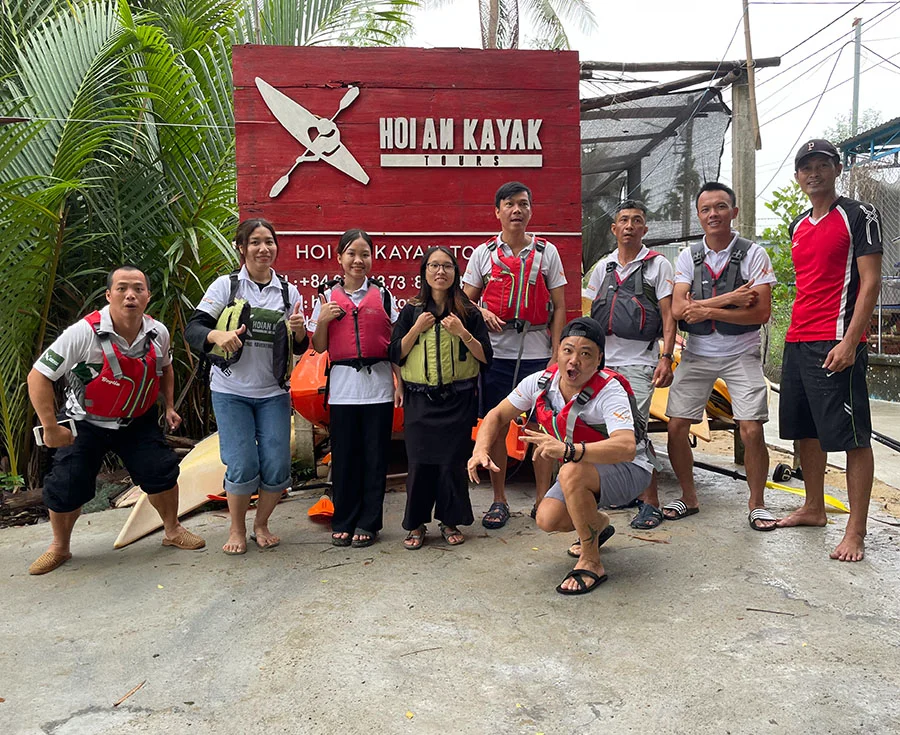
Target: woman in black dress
{"x": 441, "y": 343}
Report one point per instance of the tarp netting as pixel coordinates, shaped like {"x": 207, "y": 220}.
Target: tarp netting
{"x": 660, "y": 150}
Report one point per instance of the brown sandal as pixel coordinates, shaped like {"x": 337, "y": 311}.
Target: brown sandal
{"x": 415, "y": 538}
{"x": 449, "y": 532}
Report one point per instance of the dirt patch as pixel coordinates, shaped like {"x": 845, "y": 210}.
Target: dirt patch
{"x": 886, "y": 495}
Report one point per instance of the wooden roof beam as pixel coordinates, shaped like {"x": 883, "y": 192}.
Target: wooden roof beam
{"x": 620, "y": 66}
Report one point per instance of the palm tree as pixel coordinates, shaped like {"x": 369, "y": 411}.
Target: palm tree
{"x": 126, "y": 155}
{"x": 500, "y": 26}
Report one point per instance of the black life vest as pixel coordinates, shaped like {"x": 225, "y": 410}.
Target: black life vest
{"x": 628, "y": 308}
{"x": 707, "y": 283}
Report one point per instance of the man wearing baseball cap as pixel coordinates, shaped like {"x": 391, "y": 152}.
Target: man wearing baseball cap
{"x": 587, "y": 420}
{"x": 836, "y": 249}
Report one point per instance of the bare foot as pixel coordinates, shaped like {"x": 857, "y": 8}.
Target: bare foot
{"x": 264, "y": 538}
{"x": 803, "y": 517}
{"x": 591, "y": 566}
{"x": 851, "y": 548}
{"x": 236, "y": 544}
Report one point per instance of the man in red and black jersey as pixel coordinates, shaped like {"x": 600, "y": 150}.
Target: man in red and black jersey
{"x": 836, "y": 249}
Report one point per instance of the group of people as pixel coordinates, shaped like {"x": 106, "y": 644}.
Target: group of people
{"x": 492, "y": 342}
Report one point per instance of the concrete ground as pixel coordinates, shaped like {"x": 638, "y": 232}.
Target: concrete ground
{"x": 885, "y": 419}
{"x": 705, "y": 626}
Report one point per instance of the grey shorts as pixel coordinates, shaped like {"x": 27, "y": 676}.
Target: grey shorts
{"x": 696, "y": 375}
{"x": 619, "y": 484}
{"x": 640, "y": 377}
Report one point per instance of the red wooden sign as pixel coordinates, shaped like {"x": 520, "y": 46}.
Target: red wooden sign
{"x": 409, "y": 145}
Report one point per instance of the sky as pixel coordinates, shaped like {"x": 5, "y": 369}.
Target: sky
{"x": 793, "y": 106}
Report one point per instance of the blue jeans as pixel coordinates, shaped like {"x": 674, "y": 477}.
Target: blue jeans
{"x": 254, "y": 442}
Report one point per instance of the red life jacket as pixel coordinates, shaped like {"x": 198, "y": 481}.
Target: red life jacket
{"x": 126, "y": 386}
{"x": 566, "y": 425}
{"x": 363, "y": 338}
{"x": 516, "y": 290}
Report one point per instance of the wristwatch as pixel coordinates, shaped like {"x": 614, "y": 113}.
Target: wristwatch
{"x": 668, "y": 355}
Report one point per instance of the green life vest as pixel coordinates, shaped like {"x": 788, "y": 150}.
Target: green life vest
{"x": 237, "y": 313}
{"x": 438, "y": 358}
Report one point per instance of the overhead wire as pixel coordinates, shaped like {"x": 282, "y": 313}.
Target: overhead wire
{"x": 874, "y": 21}
{"x": 803, "y": 130}
{"x": 839, "y": 84}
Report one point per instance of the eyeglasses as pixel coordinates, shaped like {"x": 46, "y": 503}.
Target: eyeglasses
{"x": 435, "y": 267}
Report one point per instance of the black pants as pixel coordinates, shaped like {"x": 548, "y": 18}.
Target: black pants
{"x": 444, "y": 487}
{"x": 360, "y": 443}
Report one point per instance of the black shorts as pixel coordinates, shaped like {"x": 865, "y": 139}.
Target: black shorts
{"x": 72, "y": 480}
{"x": 497, "y": 381}
{"x": 819, "y": 404}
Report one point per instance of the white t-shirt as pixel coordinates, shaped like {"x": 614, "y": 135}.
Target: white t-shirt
{"x": 77, "y": 354}
{"x": 610, "y": 407}
{"x": 347, "y": 385}
{"x": 659, "y": 274}
{"x": 755, "y": 265}
{"x": 506, "y": 343}
{"x": 251, "y": 376}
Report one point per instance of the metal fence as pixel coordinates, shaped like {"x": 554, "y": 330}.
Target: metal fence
{"x": 878, "y": 182}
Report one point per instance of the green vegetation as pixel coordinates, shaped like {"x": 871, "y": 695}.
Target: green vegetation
{"x": 126, "y": 154}
{"x": 787, "y": 204}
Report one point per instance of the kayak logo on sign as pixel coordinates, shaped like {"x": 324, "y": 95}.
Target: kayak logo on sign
{"x": 319, "y": 136}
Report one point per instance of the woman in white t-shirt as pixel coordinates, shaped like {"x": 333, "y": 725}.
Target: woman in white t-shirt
{"x": 249, "y": 375}
{"x": 352, "y": 321}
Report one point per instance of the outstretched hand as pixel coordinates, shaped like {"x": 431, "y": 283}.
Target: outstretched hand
{"x": 480, "y": 459}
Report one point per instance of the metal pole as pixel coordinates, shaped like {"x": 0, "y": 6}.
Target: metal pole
{"x": 857, "y": 46}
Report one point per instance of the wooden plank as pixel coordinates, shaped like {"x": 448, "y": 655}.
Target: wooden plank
{"x": 621, "y": 66}
{"x": 404, "y": 67}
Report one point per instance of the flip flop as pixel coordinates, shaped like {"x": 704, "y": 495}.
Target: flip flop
{"x": 605, "y": 535}
{"x": 255, "y": 540}
{"x": 630, "y": 504}
{"x": 500, "y": 511}
{"x": 648, "y": 517}
{"x": 235, "y": 553}
{"x": 761, "y": 514}
{"x": 367, "y": 540}
{"x": 336, "y": 539}
{"x": 679, "y": 509}
{"x": 578, "y": 575}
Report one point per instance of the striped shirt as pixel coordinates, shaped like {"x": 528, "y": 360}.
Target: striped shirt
{"x": 824, "y": 254}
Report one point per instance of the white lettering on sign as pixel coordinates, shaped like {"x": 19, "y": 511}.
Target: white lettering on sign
{"x": 487, "y": 136}
{"x": 382, "y": 252}
{"x": 461, "y": 160}
{"x": 314, "y": 252}
{"x": 446, "y": 133}
{"x": 534, "y": 143}
{"x": 429, "y": 135}
{"x": 515, "y": 134}
{"x": 469, "y": 143}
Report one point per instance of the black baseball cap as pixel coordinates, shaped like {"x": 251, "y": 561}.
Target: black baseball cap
{"x": 585, "y": 327}
{"x": 816, "y": 145}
